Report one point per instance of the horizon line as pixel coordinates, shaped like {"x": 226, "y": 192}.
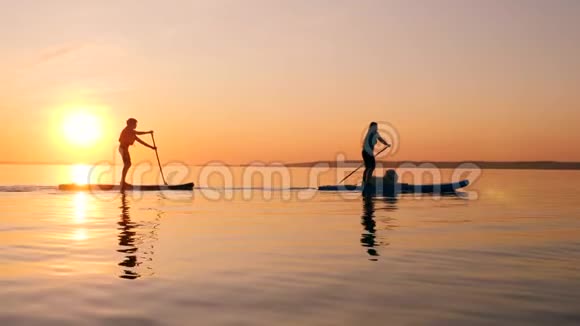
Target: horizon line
{"x": 334, "y": 163}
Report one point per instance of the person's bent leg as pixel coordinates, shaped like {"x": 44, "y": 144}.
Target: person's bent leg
{"x": 371, "y": 173}
{"x": 124, "y": 174}
{"x": 126, "y": 165}
{"x": 366, "y": 163}
{"x": 365, "y": 176}
{"x": 369, "y": 162}
{"x": 370, "y": 168}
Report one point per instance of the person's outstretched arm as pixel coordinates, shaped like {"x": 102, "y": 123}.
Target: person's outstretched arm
{"x": 383, "y": 141}
{"x": 144, "y": 143}
{"x": 143, "y": 132}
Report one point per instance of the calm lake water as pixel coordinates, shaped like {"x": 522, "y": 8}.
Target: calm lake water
{"x": 507, "y": 252}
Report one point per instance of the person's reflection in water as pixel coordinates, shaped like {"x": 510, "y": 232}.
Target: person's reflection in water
{"x": 391, "y": 203}
{"x": 368, "y": 237}
{"x": 127, "y": 236}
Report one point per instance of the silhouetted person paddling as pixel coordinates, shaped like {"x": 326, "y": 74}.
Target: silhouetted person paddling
{"x": 368, "y": 150}
{"x": 127, "y": 138}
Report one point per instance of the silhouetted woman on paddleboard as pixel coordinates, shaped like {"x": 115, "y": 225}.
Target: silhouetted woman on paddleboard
{"x": 127, "y": 138}
{"x": 368, "y": 150}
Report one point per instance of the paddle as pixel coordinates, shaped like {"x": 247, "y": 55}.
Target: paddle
{"x": 360, "y": 166}
{"x": 158, "y": 161}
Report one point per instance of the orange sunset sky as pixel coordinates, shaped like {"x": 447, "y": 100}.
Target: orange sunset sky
{"x": 291, "y": 81}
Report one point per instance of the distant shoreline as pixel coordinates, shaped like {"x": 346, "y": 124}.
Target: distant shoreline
{"x": 490, "y": 165}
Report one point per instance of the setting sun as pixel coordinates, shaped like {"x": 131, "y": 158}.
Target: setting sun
{"x": 82, "y": 129}
{"x": 80, "y": 174}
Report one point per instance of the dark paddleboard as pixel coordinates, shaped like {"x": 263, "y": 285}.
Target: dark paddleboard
{"x": 444, "y": 188}
{"x": 108, "y": 187}
{"x": 340, "y": 188}
{"x": 400, "y": 188}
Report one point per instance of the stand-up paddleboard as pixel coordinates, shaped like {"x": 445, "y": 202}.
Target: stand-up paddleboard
{"x": 389, "y": 186}
{"x": 110, "y": 187}
{"x": 400, "y": 188}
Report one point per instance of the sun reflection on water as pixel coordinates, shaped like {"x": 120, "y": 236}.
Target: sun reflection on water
{"x": 80, "y": 235}
{"x": 80, "y": 207}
